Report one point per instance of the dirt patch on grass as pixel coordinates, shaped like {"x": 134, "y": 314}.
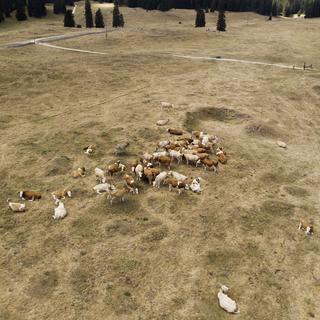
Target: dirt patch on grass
{"x": 59, "y": 165}
{"x": 212, "y": 113}
{"x": 130, "y": 206}
{"x": 280, "y": 176}
{"x": 279, "y": 208}
{"x": 157, "y": 234}
{"x": 263, "y": 130}
{"x": 296, "y": 191}
{"x": 316, "y": 89}
{"x": 268, "y": 213}
{"x": 43, "y": 285}
{"x": 82, "y": 280}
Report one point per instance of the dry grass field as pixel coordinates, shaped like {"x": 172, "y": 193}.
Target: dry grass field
{"x": 160, "y": 255}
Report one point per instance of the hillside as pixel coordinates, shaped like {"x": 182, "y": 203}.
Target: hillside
{"x": 160, "y": 255}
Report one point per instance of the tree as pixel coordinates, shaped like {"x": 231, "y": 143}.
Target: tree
{"x": 7, "y": 7}
{"x": 59, "y": 6}
{"x": 221, "y": 6}
{"x": 30, "y": 8}
{"x": 69, "y": 19}
{"x": 117, "y": 20}
{"x": 99, "y": 19}
{"x": 38, "y": 8}
{"x": 88, "y": 14}
{"x": 200, "y": 19}
{"x": 275, "y": 8}
{"x": 165, "y": 5}
{"x": 287, "y": 10}
{"x": 1, "y": 12}
{"x": 21, "y": 10}
{"x": 221, "y": 23}
{"x": 213, "y": 5}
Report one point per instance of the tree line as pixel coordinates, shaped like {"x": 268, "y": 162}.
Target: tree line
{"x": 311, "y": 8}
{"x": 37, "y": 8}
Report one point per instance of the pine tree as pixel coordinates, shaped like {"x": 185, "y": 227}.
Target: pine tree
{"x": 30, "y": 8}
{"x": 88, "y": 14}
{"x": 287, "y": 10}
{"x": 21, "y": 10}
{"x": 69, "y": 19}
{"x": 99, "y": 19}
{"x": 1, "y": 12}
{"x": 165, "y": 5}
{"x": 7, "y": 7}
{"x": 116, "y": 21}
{"x": 221, "y": 23}
{"x": 213, "y": 5}
{"x": 222, "y": 5}
{"x": 38, "y": 8}
{"x": 275, "y": 7}
{"x": 59, "y": 6}
{"x": 200, "y": 19}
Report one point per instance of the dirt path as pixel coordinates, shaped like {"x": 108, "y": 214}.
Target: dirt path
{"x": 44, "y": 42}
{"x": 278, "y": 65}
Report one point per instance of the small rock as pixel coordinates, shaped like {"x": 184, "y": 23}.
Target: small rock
{"x": 162, "y": 122}
{"x": 282, "y": 144}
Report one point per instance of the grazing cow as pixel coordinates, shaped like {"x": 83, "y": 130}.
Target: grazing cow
{"x": 16, "y": 207}
{"x": 307, "y": 227}
{"x": 30, "y": 195}
{"x": 225, "y": 302}
{"x": 60, "y": 211}
{"x": 80, "y": 172}
{"x": 131, "y": 184}
{"x": 159, "y": 178}
{"x": 61, "y": 194}
{"x": 115, "y": 168}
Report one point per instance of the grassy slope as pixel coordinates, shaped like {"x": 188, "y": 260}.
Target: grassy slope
{"x": 160, "y": 256}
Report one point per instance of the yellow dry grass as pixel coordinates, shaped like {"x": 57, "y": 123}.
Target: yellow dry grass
{"x": 161, "y": 256}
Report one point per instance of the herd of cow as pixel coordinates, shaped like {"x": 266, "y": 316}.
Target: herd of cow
{"x": 197, "y": 148}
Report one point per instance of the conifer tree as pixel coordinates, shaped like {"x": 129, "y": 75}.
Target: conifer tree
{"x": 7, "y": 7}
{"x": 21, "y": 10}
{"x": 221, "y": 23}
{"x": 1, "y": 12}
{"x": 275, "y": 7}
{"x": 99, "y": 19}
{"x": 88, "y": 14}
{"x": 38, "y": 8}
{"x": 213, "y": 5}
{"x": 30, "y": 8}
{"x": 59, "y": 6}
{"x": 116, "y": 20}
{"x": 69, "y": 19}
{"x": 165, "y": 5}
{"x": 287, "y": 10}
{"x": 200, "y": 19}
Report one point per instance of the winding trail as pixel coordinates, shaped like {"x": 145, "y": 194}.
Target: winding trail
{"x": 41, "y": 41}
{"x": 45, "y": 42}
{"x": 278, "y": 65}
